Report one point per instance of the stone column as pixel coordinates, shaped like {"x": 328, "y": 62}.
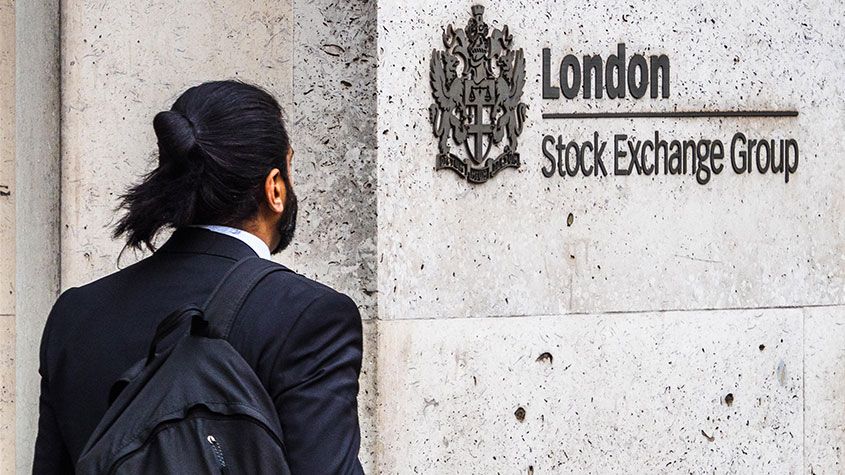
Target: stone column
{"x": 333, "y": 130}
{"x": 7, "y": 236}
{"x": 38, "y": 177}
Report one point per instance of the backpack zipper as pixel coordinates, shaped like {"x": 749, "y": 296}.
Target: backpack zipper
{"x": 218, "y": 453}
{"x": 166, "y": 425}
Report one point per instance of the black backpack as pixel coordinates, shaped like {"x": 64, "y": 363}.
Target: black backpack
{"x": 197, "y": 407}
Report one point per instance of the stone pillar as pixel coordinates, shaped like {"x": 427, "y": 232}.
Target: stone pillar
{"x": 38, "y": 179}
{"x": 333, "y": 130}
{"x": 7, "y": 236}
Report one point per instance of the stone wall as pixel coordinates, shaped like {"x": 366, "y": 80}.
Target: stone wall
{"x": 624, "y": 323}
{"x": 116, "y": 77}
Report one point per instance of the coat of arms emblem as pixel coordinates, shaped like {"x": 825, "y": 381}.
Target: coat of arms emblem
{"x": 477, "y": 84}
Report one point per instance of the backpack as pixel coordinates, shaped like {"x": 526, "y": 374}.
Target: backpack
{"x": 197, "y": 407}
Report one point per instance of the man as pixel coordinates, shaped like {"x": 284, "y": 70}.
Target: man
{"x": 223, "y": 184}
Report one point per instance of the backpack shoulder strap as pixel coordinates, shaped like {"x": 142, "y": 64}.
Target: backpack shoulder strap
{"x": 224, "y": 304}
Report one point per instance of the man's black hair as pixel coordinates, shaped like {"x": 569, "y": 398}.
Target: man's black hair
{"x": 216, "y": 146}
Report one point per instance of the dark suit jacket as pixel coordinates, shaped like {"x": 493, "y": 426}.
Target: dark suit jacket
{"x": 302, "y": 338}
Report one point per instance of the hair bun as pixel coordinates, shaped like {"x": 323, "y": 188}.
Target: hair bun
{"x": 176, "y": 134}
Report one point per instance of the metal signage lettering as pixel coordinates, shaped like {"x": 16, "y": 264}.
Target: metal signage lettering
{"x": 477, "y": 83}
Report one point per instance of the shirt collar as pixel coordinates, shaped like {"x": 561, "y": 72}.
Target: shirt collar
{"x": 251, "y": 240}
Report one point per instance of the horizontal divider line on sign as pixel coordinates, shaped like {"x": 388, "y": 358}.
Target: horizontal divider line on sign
{"x": 668, "y": 114}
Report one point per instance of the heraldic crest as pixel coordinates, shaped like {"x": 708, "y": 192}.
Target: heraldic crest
{"x": 477, "y": 84}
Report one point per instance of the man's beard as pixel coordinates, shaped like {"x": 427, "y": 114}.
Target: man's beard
{"x": 287, "y": 222}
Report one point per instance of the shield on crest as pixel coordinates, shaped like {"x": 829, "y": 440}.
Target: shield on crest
{"x": 480, "y": 105}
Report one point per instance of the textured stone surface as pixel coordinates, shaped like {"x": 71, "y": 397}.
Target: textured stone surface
{"x": 116, "y": 79}
{"x": 332, "y": 130}
{"x": 8, "y": 193}
{"x": 447, "y": 248}
{"x": 37, "y": 177}
{"x": 8, "y": 408}
{"x": 824, "y": 389}
{"x": 334, "y": 136}
{"x": 675, "y": 392}
{"x": 368, "y": 398}
{"x": 622, "y": 392}
{"x": 7, "y": 158}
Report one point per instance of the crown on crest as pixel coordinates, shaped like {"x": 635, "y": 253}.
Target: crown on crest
{"x": 478, "y": 11}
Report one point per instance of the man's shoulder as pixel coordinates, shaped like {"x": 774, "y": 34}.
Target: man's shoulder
{"x": 286, "y": 302}
{"x": 75, "y": 303}
{"x": 108, "y": 285}
{"x": 291, "y": 286}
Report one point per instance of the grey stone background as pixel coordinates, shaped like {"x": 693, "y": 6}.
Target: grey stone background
{"x": 511, "y": 341}
{"x": 7, "y": 235}
{"x": 671, "y": 327}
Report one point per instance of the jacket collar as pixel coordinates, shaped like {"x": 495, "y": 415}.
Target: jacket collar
{"x": 192, "y": 240}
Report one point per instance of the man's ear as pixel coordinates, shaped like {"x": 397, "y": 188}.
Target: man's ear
{"x": 275, "y": 191}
